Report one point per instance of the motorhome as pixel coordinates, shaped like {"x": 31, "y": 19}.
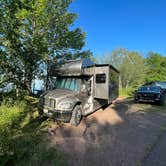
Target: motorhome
{"x": 81, "y": 87}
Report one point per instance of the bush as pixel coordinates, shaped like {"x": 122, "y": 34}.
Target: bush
{"x": 7, "y": 97}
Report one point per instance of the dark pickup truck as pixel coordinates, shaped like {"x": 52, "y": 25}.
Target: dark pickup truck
{"x": 150, "y": 94}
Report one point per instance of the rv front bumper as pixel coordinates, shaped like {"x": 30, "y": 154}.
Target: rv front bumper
{"x": 64, "y": 116}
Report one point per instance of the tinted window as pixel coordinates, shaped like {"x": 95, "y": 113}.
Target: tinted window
{"x": 100, "y": 78}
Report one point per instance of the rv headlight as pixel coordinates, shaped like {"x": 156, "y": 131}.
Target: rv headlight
{"x": 65, "y": 105}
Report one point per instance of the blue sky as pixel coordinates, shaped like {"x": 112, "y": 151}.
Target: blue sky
{"x": 133, "y": 24}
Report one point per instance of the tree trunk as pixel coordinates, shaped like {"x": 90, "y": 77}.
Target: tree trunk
{"x": 120, "y": 82}
{"x": 28, "y": 81}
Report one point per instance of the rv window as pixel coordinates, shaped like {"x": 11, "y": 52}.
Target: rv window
{"x": 100, "y": 78}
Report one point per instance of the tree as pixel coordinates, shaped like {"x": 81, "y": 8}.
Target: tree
{"x": 130, "y": 64}
{"x": 33, "y": 33}
{"x": 156, "y": 67}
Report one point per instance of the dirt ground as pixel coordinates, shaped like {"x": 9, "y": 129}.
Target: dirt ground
{"x": 123, "y": 134}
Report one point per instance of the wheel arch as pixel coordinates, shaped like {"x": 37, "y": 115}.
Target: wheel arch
{"x": 77, "y": 103}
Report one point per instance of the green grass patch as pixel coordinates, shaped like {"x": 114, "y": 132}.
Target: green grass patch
{"x": 126, "y": 92}
{"x": 10, "y": 117}
{"x": 152, "y": 107}
{"x": 23, "y": 140}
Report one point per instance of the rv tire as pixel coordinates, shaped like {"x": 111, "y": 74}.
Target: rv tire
{"x": 76, "y": 116}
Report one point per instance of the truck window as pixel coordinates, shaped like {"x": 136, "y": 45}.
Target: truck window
{"x": 100, "y": 78}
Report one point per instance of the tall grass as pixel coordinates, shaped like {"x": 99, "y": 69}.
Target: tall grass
{"x": 9, "y": 119}
{"x": 23, "y": 140}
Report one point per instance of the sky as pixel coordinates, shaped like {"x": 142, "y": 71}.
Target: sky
{"x": 138, "y": 25}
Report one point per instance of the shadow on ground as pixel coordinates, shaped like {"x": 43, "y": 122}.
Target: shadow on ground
{"x": 122, "y": 135}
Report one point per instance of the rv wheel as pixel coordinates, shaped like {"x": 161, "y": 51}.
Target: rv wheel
{"x": 76, "y": 116}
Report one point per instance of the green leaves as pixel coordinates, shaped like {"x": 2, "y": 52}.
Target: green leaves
{"x": 156, "y": 67}
{"x": 35, "y": 32}
{"x": 135, "y": 69}
{"x": 131, "y": 66}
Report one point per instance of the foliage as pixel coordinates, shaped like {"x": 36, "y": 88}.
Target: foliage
{"x": 33, "y": 33}
{"x": 156, "y": 67}
{"x": 7, "y": 97}
{"x": 136, "y": 69}
{"x": 22, "y": 141}
{"x": 10, "y": 116}
{"x": 130, "y": 64}
{"x": 31, "y": 100}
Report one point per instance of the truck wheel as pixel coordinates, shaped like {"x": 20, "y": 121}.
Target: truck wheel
{"x": 76, "y": 116}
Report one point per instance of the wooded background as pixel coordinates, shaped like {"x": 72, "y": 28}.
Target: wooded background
{"x": 35, "y": 33}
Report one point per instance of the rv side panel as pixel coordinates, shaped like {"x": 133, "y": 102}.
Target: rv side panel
{"x": 101, "y": 82}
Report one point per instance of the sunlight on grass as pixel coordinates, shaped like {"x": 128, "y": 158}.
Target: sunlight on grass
{"x": 23, "y": 140}
{"x": 126, "y": 92}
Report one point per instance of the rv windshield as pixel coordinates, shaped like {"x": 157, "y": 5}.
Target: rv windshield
{"x": 67, "y": 83}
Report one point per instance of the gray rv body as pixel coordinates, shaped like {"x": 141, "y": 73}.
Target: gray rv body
{"x": 97, "y": 85}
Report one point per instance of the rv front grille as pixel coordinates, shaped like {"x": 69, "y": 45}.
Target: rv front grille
{"x": 49, "y": 102}
{"x": 52, "y": 103}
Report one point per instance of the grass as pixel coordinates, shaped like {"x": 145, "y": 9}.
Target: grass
{"x": 152, "y": 107}
{"x": 23, "y": 137}
{"x": 148, "y": 107}
{"x": 126, "y": 92}
{"x": 23, "y": 140}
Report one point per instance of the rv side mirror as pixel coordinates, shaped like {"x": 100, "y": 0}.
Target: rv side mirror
{"x": 83, "y": 89}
